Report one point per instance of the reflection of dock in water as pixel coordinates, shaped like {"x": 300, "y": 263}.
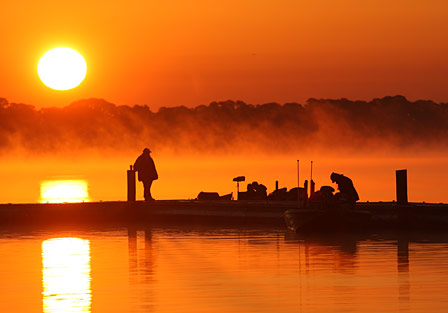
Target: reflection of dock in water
{"x": 401, "y": 262}
{"x": 141, "y": 268}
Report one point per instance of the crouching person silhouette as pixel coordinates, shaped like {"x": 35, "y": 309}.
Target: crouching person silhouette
{"x": 347, "y": 192}
{"x": 147, "y": 172}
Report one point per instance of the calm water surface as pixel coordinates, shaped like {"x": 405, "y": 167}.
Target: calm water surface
{"x": 210, "y": 270}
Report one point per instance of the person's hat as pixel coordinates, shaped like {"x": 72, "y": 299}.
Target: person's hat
{"x": 146, "y": 150}
{"x": 333, "y": 176}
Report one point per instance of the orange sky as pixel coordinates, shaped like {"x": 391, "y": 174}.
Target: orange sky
{"x": 194, "y": 52}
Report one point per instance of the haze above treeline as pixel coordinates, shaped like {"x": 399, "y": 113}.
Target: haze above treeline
{"x": 226, "y": 127}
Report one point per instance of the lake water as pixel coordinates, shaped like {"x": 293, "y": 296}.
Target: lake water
{"x": 179, "y": 269}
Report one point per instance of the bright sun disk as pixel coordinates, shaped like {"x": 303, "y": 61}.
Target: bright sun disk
{"x": 62, "y": 68}
{"x": 58, "y": 191}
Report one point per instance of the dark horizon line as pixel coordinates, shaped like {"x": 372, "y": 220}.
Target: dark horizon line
{"x": 4, "y": 101}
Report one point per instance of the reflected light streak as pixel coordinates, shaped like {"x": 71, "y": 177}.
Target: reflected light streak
{"x": 66, "y": 275}
{"x": 57, "y": 191}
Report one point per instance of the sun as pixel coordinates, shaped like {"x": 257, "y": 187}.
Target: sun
{"x": 62, "y": 68}
{"x": 58, "y": 191}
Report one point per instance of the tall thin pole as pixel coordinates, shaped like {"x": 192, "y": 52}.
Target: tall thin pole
{"x": 311, "y": 179}
{"x": 298, "y": 184}
{"x": 312, "y": 184}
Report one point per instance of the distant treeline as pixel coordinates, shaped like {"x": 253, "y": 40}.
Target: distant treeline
{"x": 228, "y": 126}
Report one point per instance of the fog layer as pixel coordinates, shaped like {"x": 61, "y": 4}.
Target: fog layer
{"x": 226, "y": 127}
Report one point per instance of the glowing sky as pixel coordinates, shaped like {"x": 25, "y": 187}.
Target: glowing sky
{"x": 194, "y": 52}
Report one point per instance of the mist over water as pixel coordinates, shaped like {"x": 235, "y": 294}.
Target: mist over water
{"x": 203, "y": 148}
{"x": 226, "y": 127}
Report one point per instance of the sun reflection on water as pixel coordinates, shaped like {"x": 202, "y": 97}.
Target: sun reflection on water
{"x": 66, "y": 275}
{"x": 57, "y": 191}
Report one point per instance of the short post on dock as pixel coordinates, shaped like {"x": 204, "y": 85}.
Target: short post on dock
{"x": 402, "y": 186}
{"x": 131, "y": 184}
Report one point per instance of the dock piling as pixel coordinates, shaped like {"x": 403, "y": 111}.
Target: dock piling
{"x": 298, "y": 184}
{"x": 131, "y": 184}
{"x": 402, "y": 186}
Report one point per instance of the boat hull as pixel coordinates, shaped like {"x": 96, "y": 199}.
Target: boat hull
{"x": 327, "y": 221}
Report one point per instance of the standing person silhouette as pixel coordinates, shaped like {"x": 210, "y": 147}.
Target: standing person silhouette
{"x": 147, "y": 172}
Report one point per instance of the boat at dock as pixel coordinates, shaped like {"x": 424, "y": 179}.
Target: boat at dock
{"x": 369, "y": 216}
{"x": 308, "y": 220}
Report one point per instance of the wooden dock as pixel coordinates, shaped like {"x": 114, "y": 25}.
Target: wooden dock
{"x": 144, "y": 212}
{"x": 195, "y": 211}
